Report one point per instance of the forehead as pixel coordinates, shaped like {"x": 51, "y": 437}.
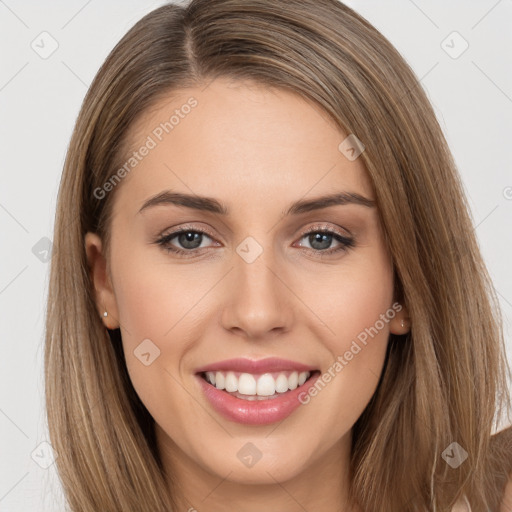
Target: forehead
{"x": 242, "y": 142}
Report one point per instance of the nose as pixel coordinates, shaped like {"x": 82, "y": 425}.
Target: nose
{"x": 258, "y": 299}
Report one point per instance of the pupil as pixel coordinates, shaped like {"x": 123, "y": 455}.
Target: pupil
{"x": 190, "y": 240}
{"x": 317, "y": 237}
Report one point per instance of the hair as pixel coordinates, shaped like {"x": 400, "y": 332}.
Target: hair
{"x": 443, "y": 382}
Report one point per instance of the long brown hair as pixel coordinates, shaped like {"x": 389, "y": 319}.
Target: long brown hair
{"x": 444, "y": 382}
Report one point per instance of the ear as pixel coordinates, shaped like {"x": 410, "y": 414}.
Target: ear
{"x": 103, "y": 290}
{"x": 400, "y": 323}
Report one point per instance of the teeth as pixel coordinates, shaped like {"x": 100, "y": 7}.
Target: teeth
{"x": 293, "y": 380}
{"x": 254, "y": 385}
{"x": 219, "y": 380}
{"x": 247, "y": 384}
{"x": 282, "y": 384}
{"x": 231, "y": 382}
{"x": 266, "y": 386}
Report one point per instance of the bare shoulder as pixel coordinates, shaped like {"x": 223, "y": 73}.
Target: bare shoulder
{"x": 461, "y": 506}
{"x": 506, "y": 503}
{"x": 502, "y": 445}
{"x": 500, "y": 465}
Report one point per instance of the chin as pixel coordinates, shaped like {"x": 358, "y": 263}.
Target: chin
{"x": 249, "y": 465}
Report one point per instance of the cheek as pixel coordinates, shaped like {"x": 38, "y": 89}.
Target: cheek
{"x": 158, "y": 307}
{"x": 153, "y": 298}
{"x": 351, "y": 301}
{"x": 355, "y": 308}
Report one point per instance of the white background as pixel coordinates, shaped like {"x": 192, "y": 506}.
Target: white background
{"x": 39, "y": 102}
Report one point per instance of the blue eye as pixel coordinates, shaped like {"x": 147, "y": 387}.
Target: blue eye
{"x": 323, "y": 238}
{"x": 190, "y": 240}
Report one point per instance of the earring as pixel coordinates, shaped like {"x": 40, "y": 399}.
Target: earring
{"x": 405, "y": 322}
{"x": 402, "y": 324}
{"x": 106, "y": 314}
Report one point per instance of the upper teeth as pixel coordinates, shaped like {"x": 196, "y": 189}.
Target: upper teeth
{"x": 263, "y": 385}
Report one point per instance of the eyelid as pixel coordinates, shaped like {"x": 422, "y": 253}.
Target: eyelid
{"x": 187, "y": 227}
{"x": 327, "y": 227}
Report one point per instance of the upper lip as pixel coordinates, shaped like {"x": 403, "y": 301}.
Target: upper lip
{"x": 270, "y": 364}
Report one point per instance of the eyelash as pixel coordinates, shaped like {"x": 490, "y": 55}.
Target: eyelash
{"x": 346, "y": 243}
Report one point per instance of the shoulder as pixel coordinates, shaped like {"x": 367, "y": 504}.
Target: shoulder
{"x": 461, "y": 506}
{"x": 502, "y": 447}
{"x": 500, "y": 464}
{"x": 506, "y": 503}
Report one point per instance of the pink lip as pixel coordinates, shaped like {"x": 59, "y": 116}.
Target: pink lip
{"x": 256, "y": 412}
{"x": 270, "y": 364}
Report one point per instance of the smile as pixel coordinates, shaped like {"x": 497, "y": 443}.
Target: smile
{"x": 255, "y": 392}
{"x": 256, "y": 387}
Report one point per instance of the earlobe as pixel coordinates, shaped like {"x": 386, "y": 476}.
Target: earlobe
{"x": 400, "y": 323}
{"x": 103, "y": 290}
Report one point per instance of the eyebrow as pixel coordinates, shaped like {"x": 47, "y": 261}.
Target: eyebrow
{"x": 210, "y": 204}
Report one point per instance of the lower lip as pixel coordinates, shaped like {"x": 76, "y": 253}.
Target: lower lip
{"x": 255, "y": 412}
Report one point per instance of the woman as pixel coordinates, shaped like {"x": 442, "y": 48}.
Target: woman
{"x": 268, "y": 290}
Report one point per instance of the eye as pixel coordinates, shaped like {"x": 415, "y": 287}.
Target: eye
{"x": 190, "y": 241}
{"x": 321, "y": 238}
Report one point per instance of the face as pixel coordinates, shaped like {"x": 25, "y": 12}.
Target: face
{"x": 312, "y": 287}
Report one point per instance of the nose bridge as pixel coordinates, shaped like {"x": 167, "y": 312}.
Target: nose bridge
{"x": 257, "y": 302}
{"x": 253, "y": 262}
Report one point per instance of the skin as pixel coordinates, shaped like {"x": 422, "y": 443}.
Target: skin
{"x": 256, "y": 150}
{"x": 506, "y": 504}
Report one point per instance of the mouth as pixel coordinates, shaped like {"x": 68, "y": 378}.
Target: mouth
{"x": 256, "y": 392}
{"x": 257, "y": 387}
